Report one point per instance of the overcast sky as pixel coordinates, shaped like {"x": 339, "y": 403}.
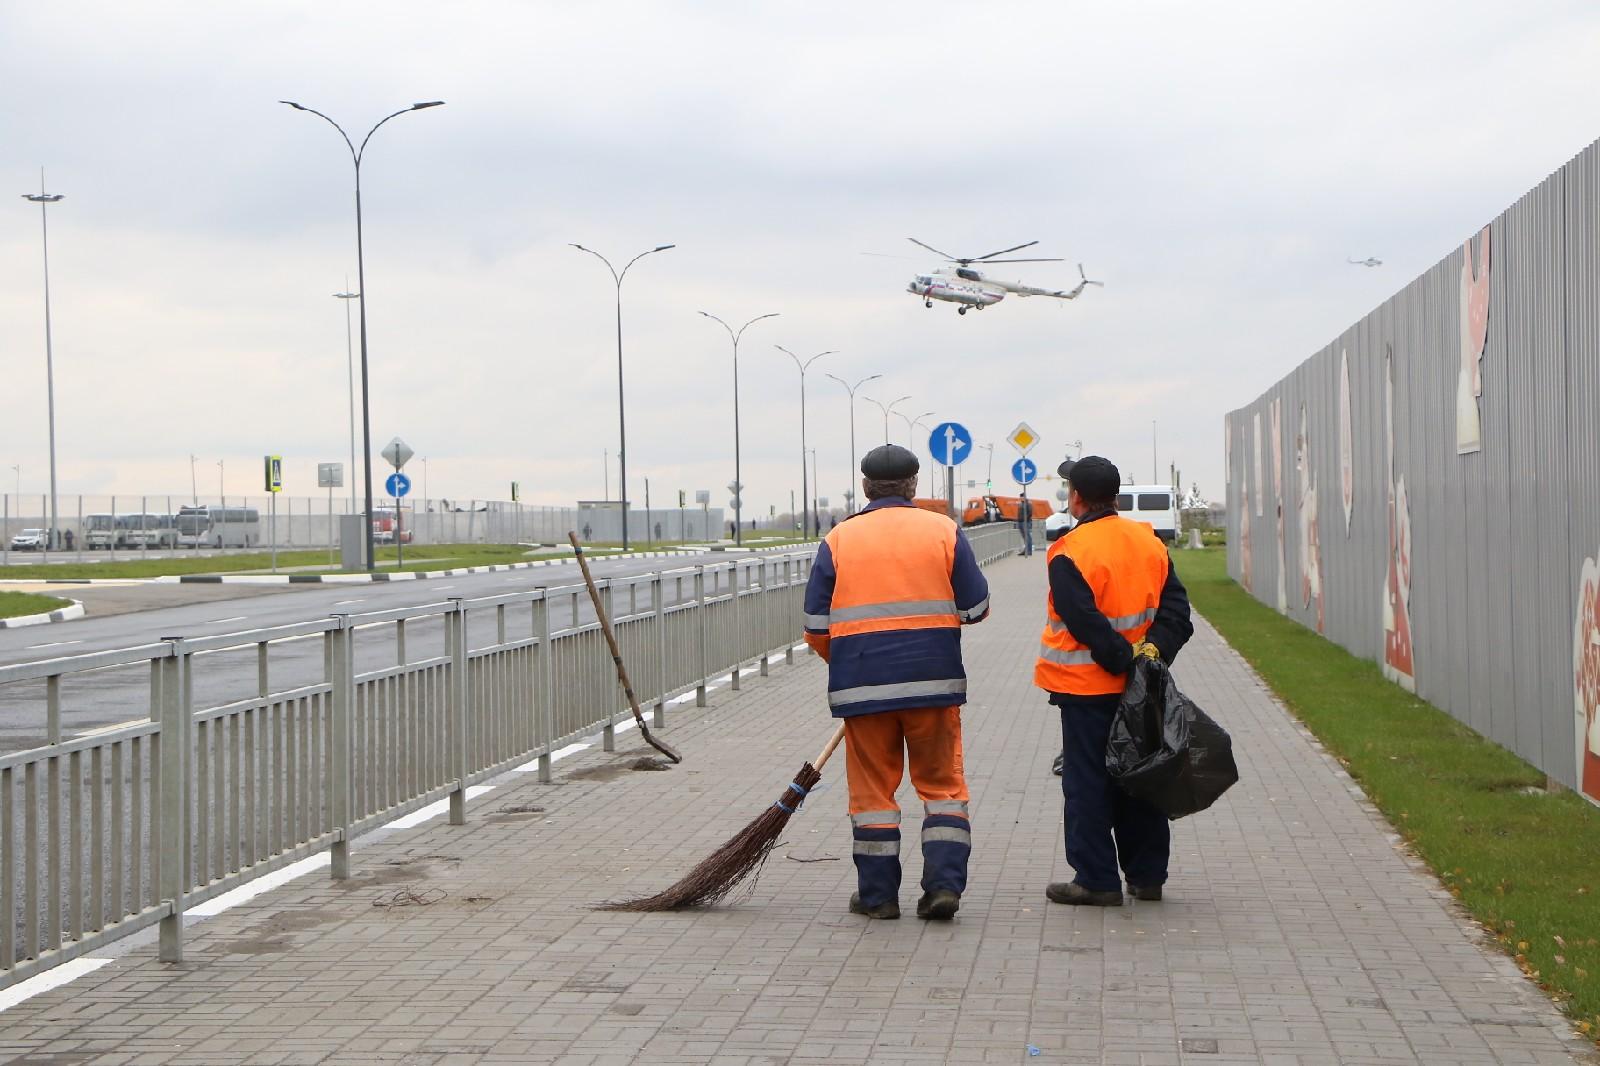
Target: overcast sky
{"x": 1215, "y": 164}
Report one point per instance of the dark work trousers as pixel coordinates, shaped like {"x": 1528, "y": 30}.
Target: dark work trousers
{"x": 1098, "y": 811}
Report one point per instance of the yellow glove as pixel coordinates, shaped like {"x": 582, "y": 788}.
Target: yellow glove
{"x": 1147, "y": 650}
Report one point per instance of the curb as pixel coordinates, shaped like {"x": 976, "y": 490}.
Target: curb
{"x": 74, "y": 609}
{"x": 363, "y": 579}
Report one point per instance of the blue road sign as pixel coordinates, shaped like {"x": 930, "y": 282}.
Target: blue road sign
{"x": 1024, "y": 471}
{"x": 950, "y": 443}
{"x": 397, "y": 485}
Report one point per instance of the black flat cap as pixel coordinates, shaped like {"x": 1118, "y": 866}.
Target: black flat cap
{"x": 889, "y": 462}
{"x": 1096, "y": 478}
{"x": 1064, "y": 471}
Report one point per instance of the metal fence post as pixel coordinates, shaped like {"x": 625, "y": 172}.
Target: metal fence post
{"x": 341, "y": 753}
{"x": 658, "y": 594}
{"x": 172, "y": 822}
{"x": 764, "y": 607}
{"x": 547, "y": 698}
{"x": 788, "y": 594}
{"x": 700, "y": 625}
{"x": 456, "y": 748}
{"x": 738, "y": 634}
{"x": 608, "y": 735}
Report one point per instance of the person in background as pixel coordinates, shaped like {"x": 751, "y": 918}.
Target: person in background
{"x": 1113, "y": 597}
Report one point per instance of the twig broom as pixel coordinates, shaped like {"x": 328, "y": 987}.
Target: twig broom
{"x": 744, "y": 853}
{"x": 616, "y": 654}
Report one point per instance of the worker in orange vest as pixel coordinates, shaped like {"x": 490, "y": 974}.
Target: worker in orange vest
{"x": 889, "y": 592}
{"x": 1113, "y": 597}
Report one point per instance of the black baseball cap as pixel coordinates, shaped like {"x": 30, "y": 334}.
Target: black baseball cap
{"x": 1095, "y": 478}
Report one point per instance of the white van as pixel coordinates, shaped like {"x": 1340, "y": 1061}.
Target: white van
{"x": 1154, "y": 505}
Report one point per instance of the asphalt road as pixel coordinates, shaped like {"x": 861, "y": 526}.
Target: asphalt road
{"x": 102, "y": 698}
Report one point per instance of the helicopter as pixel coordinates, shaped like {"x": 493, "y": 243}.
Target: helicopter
{"x": 967, "y": 288}
{"x": 1370, "y": 261}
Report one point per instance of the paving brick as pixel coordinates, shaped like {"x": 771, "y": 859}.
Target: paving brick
{"x": 1294, "y": 930}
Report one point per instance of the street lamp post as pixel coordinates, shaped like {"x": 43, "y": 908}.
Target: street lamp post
{"x": 989, "y": 481}
{"x": 804, "y": 483}
{"x": 911, "y": 436}
{"x": 194, "y": 486}
{"x": 350, "y": 373}
{"x": 738, "y": 472}
{"x": 622, "y": 420}
{"x": 361, "y": 294}
{"x": 886, "y": 409}
{"x": 44, "y": 200}
{"x": 850, "y": 492}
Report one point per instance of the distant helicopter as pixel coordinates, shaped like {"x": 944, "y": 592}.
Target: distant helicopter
{"x": 967, "y": 288}
{"x": 1370, "y": 261}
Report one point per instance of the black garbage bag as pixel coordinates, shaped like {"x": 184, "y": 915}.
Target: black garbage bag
{"x": 1164, "y": 749}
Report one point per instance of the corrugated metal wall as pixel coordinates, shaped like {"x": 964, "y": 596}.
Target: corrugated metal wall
{"x": 1460, "y": 567}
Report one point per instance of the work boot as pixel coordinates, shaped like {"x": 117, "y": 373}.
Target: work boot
{"x": 1074, "y": 894}
{"x": 1152, "y": 894}
{"x": 890, "y": 909}
{"x": 940, "y": 905}
{"x": 1055, "y": 767}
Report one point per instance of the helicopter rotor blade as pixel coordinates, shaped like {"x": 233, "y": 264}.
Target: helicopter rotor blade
{"x": 936, "y": 251}
{"x": 988, "y": 261}
{"x": 1003, "y": 251}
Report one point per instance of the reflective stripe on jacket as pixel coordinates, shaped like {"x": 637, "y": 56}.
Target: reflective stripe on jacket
{"x": 891, "y": 588}
{"x": 1125, "y": 566}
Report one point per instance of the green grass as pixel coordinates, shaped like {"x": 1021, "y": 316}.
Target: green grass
{"x": 1524, "y": 862}
{"x": 17, "y": 604}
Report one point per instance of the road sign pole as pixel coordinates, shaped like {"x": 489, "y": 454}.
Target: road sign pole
{"x": 399, "y": 534}
{"x": 272, "y": 529}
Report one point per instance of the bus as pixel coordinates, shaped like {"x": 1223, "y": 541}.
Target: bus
{"x": 148, "y": 530}
{"x": 100, "y": 531}
{"x": 218, "y": 527}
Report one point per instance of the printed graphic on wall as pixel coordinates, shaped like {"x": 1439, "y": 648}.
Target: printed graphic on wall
{"x": 1277, "y": 500}
{"x": 1260, "y": 496}
{"x": 1310, "y": 548}
{"x": 1586, "y": 678}
{"x": 1474, "y": 333}
{"x": 1347, "y": 443}
{"x": 1245, "y": 557}
{"x": 1227, "y": 450}
{"x": 1399, "y": 663}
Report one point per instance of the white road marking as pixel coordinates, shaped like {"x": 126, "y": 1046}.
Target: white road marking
{"x": 219, "y": 621}
{"x": 54, "y": 644}
{"x": 441, "y": 588}
{"x": 54, "y": 977}
{"x": 341, "y": 603}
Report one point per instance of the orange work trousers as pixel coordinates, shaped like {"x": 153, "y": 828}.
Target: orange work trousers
{"x": 875, "y": 749}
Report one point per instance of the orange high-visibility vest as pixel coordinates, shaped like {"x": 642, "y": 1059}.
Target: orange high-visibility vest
{"x": 1125, "y": 565}
{"x": 893, "y": 566}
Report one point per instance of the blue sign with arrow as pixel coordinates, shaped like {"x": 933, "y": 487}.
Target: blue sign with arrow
{"x": 397, "y": 485}
{"x": 950, "y": 443}
{"x": 1024, "y": 471}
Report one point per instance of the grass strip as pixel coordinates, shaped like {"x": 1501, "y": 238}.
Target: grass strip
{"x": 18, "y": 604}
{"x": 1523, "y": 861}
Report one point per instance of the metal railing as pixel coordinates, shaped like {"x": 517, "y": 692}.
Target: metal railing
{"x": 339, "y": 725}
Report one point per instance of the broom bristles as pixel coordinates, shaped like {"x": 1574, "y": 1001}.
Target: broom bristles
{"x": 740, "y": 858}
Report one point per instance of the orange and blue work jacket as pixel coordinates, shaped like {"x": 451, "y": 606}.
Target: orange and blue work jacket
{"x": 1111, "y": 586}
{"x": 889, "y": 592}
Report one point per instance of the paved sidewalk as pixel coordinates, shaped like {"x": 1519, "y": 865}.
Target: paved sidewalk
{"x": 1295, "y": 929}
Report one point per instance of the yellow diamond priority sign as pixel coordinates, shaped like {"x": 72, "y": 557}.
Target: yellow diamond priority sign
{"x": 1023, "y": 438}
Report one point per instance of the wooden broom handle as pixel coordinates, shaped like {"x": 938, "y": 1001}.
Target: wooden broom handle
{"x": 605, "y": 627}
{"x": 827, "y": 752}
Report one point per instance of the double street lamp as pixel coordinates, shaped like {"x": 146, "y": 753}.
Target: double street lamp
{"x": 44, "y": 200}
{"x": 805, "y": 486}
{"x": 622, "y": 420}
{"x": 850, "y": 491}
{"x": 738, "y": 473}
{"x": 911, "y": 436}
{"x": 886, "y": 408}
{"x": 361, "y": 294}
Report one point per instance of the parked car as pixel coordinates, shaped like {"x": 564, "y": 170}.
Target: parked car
{"x": 29, "y": 540}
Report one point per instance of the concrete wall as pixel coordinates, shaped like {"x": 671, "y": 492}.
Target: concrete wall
{"x": 1441, "y": 514}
